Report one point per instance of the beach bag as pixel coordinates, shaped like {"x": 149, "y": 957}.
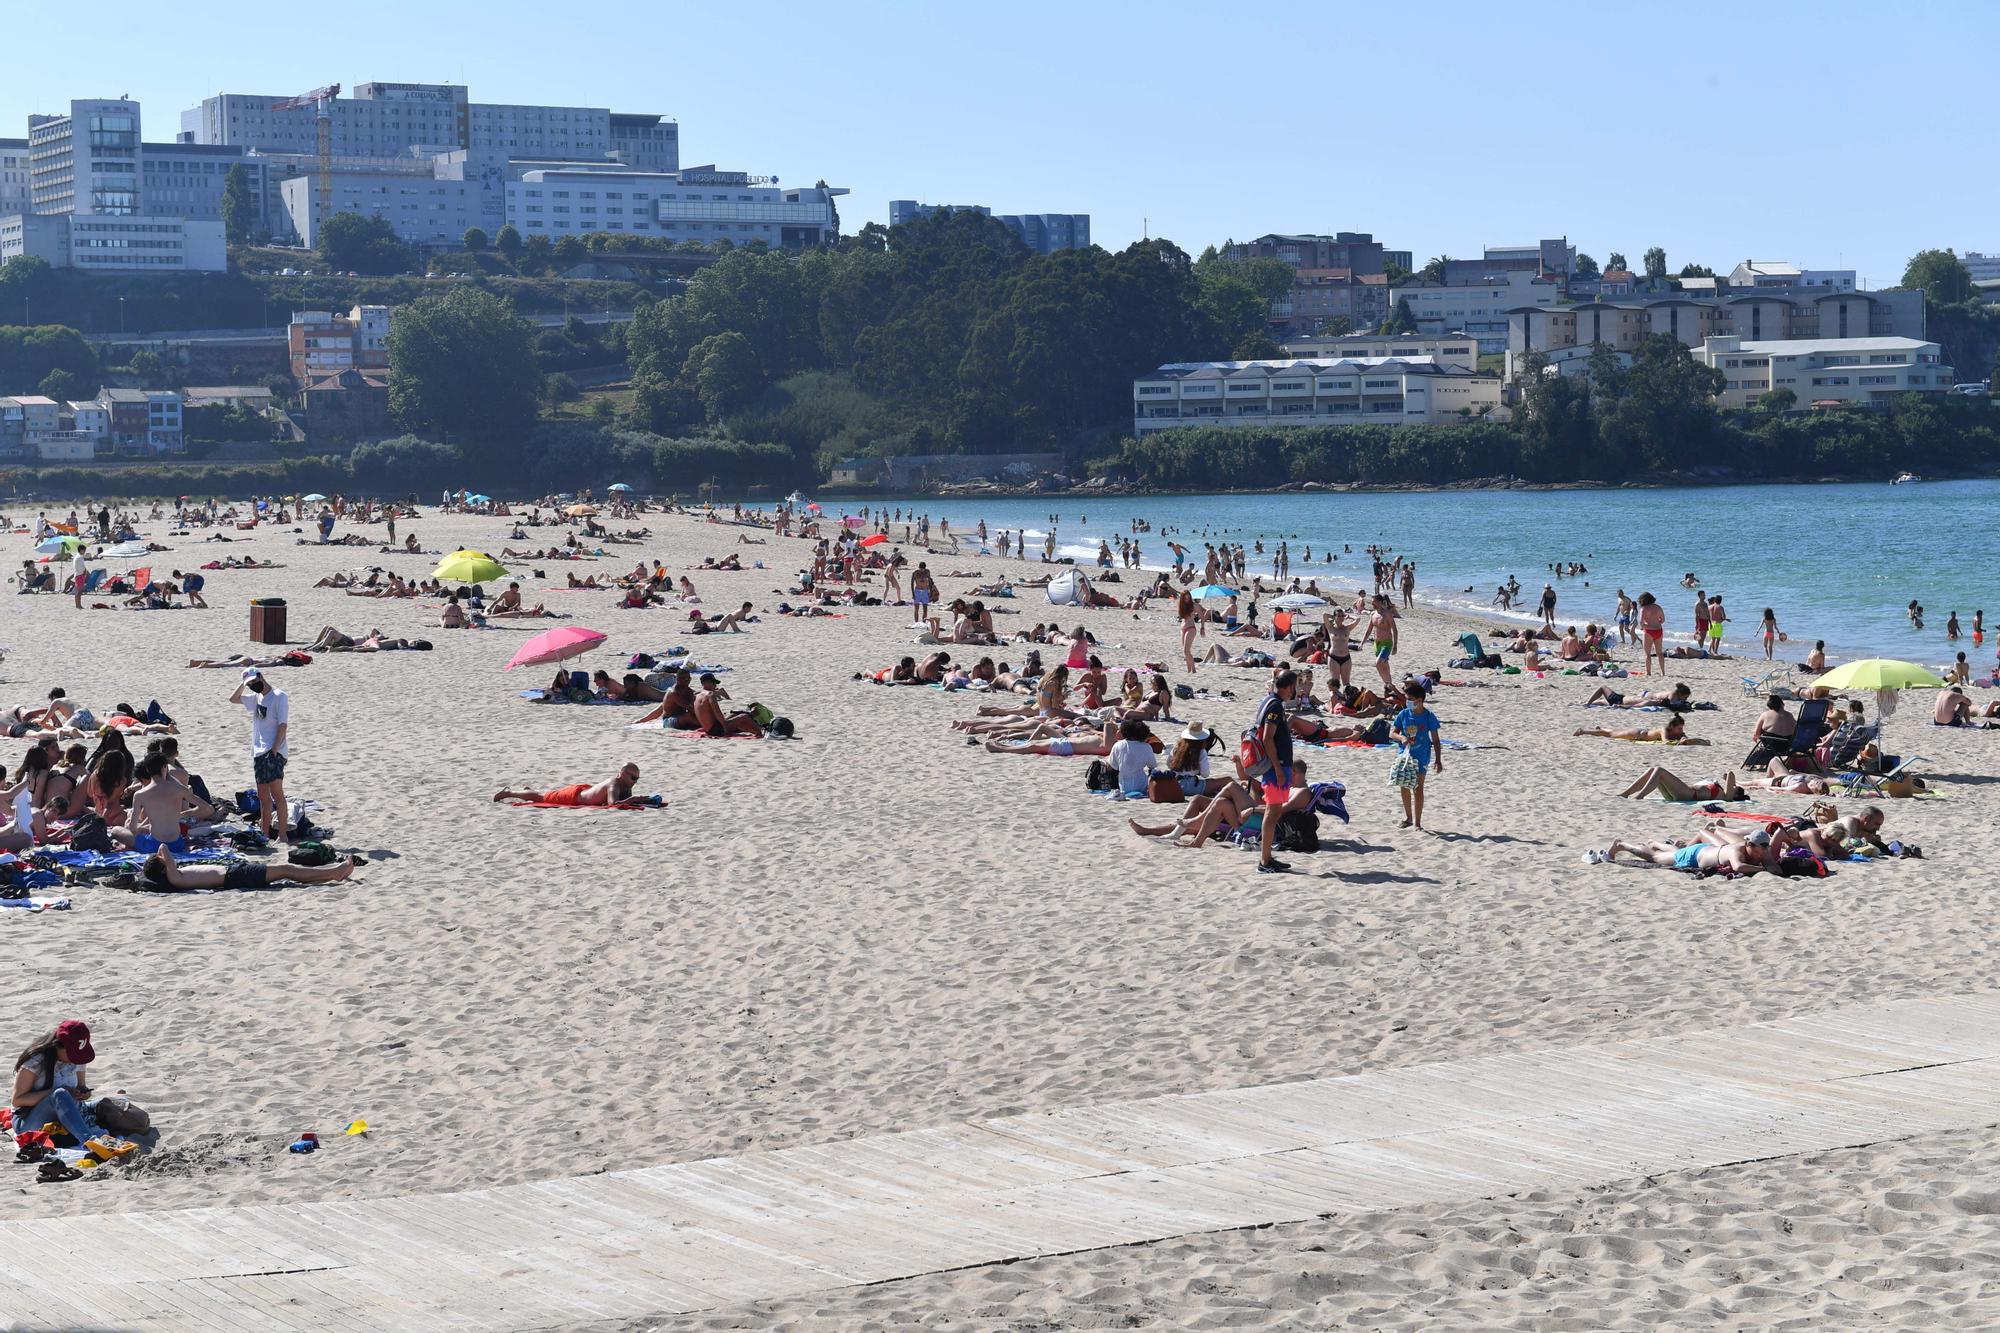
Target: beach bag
{"x": 1251, "y": 754}
{"x": 1405, "y": 771}
{"x": 312, "y": 853}
{"x": 1298, "y": 831}
{"x": 1164, "y": 788}
{"x": 1100, "y": 776}
{"x": 120, "y": 1116}
{"x": 88, "y": 833}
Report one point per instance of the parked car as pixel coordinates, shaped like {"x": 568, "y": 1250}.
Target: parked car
{"x": 1971, "y": 389}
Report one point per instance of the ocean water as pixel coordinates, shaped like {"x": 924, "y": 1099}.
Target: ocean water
{"x": 1836, "y": 562}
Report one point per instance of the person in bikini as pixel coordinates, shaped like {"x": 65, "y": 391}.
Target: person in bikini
{"x": 1697, "y": 858}
{"x": 1658, "y": 781}
{"x": 1675, "y": 698}
{"x": 612, "y": 791}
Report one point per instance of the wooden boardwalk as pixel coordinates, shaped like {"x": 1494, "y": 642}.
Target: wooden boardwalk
{"x": 696, "y": 1235}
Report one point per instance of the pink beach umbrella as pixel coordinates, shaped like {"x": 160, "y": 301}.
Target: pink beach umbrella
{"x": 556, "y": 645}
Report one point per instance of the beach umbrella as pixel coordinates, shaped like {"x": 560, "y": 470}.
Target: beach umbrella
{"x": 56, "y": 545}
{"x": 479, "y": 499}
{"x": 1209, "y": 591}
{"x": 314, "y": 498}
{"x": 556, "y": 645}
{"x": 128, "y": 551}
{"x": 581, "y": 511}
{"x": 854, "y": 521}
{"x": 875, "y": 539}
{"x": 618, "y": 486}
{"x": 468, "y": 567}
{"x": 1296, "y": 601}
{"x": 1879, "y": 673}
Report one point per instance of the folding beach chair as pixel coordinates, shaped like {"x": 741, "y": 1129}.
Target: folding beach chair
{"x": 1754, "y": 685}
{"x": 1810, "y": 729}
{"x": 1858, "y": 783}
{"x": 1473, "y": 648}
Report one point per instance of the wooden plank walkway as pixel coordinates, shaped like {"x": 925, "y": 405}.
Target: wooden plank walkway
{"x": 697, "y": 1235}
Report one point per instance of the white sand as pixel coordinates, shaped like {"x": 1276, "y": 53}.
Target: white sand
{"x": 877, "y": 927}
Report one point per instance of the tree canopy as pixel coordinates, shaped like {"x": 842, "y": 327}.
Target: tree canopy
{"x": 239, "y": 210}
{"x": 1941, "y": 274}
{"x": 352, "y": 243}
{"x": 462, "y": 363}
{"x": 30, "y": 354}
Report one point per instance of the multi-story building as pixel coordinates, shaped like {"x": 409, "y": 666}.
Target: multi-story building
{"x": 422, "y": 205}
{"x": 1825, "y": 371}
{"x": 14, "y": 195}
{"x": 87, "y": 206}
{"x": 1414, "y": 390}
{"x": 322, "y": 342}
{"x": 1554, "y": 260}
{"x": 1778, "y": 273}
{"x": 144, "y": 421}
{"x": 386, "y": 120}
{"x": 1983, "y": 268}
{"x": 1480, "y": 308}
{"x": 1568, "y": 335}
{"x": 1317, "y": 297}
{"x": 1453, "y": 351}
{"x": 697, "y": 204}
{"x": 1044, "y": 233}
{"x": 1356, "y": 252}
{"x": 185, "y": 180}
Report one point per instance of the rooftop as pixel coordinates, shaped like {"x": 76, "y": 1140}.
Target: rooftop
{"x": 1814, "y": 346}
{"x": 1407, "y": 365}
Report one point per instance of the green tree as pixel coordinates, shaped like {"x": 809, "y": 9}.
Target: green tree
{"x": 1776, "y": 401}
{"x": 1614, "y": 261}
{"x": 559, "y": 388}
{"x": 600, "y": 411}
{"x": 1941, "y": 274}
{"x": 1586, "y": 267}
{"x": 1656, "y": 262}
{"x": 1401, "y": 320}
{"x": 462, "y": 363}
{"x": 475, "y": 239}
{"x": 239, "y": 210}
{"x": 147, "y": 367}
{"x": 1434, "y": 272}
{"x": 1337, "y": 327}
{"x": 350, "y": 242}
{"x": 1256, "y": 345}
{"x": 24, "y": 280}
{"x": 569, "y": 251}
{"x": 508, "y": 242}
{"x": 724, "y": 373}
{"x": 30, "y": 353}
{"x": 1695, "y": 271}
{"x": 535, "y": 254}
{"x": 1394, "y": 274}
{"x": 61, "y": 385}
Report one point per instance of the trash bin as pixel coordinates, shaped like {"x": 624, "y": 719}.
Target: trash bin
{"x": 267, "y": 620}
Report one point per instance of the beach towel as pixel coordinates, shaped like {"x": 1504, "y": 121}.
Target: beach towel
{"x": 655, "y": 802}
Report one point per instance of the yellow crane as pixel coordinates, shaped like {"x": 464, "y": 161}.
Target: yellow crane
{"x": 321, "y": 101}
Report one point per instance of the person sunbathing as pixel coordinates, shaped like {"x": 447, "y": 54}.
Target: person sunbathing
{"x": 1657, "y": 781}
{"x": 733, "y": 622}
{"x": 1678, "y": 696}
{"x": 711, "y": 720}
{"x": 676, "y": 706}
{"x": 239, "y": 660}
{"x": 1696, "y": 858}
{"x": 1236, "y": 805}
{"x": 931, "y": 671}
{"x": 1953, "y": 709}
{"x": 1316, "y": 732}
{"x": 590, "y": 582}
{"x": 163, "y": 874}
{"x": 161, "y": 809}
{"x": 613, "y": 790}
{"x": 1673, "y": 733}
{"x": 1063, "y": 742}
{"x": 1830, "y": 839}
{"x": 1780, "y": 777}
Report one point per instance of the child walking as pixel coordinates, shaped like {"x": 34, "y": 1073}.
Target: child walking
{"x": 1416, "y": 731}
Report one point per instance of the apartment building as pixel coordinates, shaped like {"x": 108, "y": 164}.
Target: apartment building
{"x": 1983, "y": 268}
{"x": 185, "y": 180}
{"x": 1453, "y": 351}
{"x": 1044, "y": 233}
{"x": 144, "y": 421}
{"x": 698, "y": 204}
{"x": 1356, "y": 252}
{"x": 1553, "y": 259}
{"x": 423, "y": 207}
{"x": 1415, "y": 390}
{"x": 1480, "y": 309}
{"x": 323, "y": 342}
{"x": 1825, "y": 371}
{"x": 1778, "y": 273}
{"x": 14, "y": 195}
{"x": 1568, "y": 335}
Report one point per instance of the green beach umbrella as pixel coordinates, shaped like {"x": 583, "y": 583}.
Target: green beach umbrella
{"x": 468, "y": 567}
{"x": 1880, "y": 673}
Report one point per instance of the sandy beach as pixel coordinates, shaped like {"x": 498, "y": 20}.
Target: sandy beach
{"x": 875, "y": 926}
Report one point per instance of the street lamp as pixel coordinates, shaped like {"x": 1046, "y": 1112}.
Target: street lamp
{"x": 121, "y": 316}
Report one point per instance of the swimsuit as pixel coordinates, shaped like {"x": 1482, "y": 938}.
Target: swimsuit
{"x": 565, "y": 795}
{"x": 1382, "y": 647}
{"x": 1689, "y": 857}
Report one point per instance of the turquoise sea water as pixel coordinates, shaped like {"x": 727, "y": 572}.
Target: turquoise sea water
{"x": 1836, "y": 562}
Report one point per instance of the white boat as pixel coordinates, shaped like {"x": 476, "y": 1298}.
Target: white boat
{"x": 1905, "y": 478}
{"x": 797, "y": 501}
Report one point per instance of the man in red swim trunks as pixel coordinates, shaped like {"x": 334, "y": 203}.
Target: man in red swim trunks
{"x": 611, "y": 791}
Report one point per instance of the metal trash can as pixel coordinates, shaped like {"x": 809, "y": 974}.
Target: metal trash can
{"x": 267, "y": 620}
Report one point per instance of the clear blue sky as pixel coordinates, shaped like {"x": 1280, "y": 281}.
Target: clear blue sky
{"x": 1824, "y": 133}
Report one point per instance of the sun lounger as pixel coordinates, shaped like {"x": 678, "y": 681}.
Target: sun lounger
{"x": 1858, "y": 783}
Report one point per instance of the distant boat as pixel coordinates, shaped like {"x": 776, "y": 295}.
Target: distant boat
{"x": 796, "y": 500}
{"x": 1905, "y": 478}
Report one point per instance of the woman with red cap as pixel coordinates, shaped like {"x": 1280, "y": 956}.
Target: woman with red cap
{"x": 49, "y": 1085}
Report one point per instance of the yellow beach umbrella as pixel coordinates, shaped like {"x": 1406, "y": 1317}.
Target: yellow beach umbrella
{"x": 1880, "y": 673}
{"x": 468, "y": 567}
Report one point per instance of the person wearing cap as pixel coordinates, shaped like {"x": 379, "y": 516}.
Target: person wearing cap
{"x": 270, "y": 710}
{"x": 49, "y": 1085}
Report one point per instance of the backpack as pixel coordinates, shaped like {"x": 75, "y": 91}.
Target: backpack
{"x": 1298, "y": 831}
{"x": 89, "y": 834}
{"x": 311, "y": 853}
{"x": 1100, "y": 776}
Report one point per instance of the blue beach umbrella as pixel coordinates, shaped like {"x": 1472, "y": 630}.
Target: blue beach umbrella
{"x": 1213, "y": 590}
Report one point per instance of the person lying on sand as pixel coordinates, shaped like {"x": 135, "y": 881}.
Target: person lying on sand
{"x": 1609, "y": 698}
{"x": 239, "y": 660}
{"x": 1697, "y": 858}
{"x": 1062, "y": 742}
{"x": 1673, "y": 733}
{"x": 1780, "y": 777}
{"x": 1658, "y": 781}
{"x": 611, "y": 791}
{"x": 1236, "y": 805}
{"x": 163, "y": 874}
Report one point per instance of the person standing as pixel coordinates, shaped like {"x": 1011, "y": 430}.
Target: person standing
{"x": 270, "y": 711}
{"x": 1717, "y": 617}
{"x": 1548, "y": 606}
{"x": 1272, "y": 766}
{"x": 1769, "y": 629}
{"x": 1700, "y": 618}
{"x": 392, "y": 525}
{"x": 79, "y": 572}
{"x": 1382, "y": 633}
{"x": 1416, "y": 730}
{"x": 1653, "y": 632}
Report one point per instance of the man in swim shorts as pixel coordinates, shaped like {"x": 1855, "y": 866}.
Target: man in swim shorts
{"x": 163, "y": 874}
{"x": 1696, "y": 858}
{"x": 612, "y": 791}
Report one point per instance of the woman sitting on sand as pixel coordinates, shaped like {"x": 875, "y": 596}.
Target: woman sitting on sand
{"x": 1673, "y": 733}
{"x": 1658, "y": 781}
{"x": 1233, "y": 806}
{"x": 50, "y": 1087}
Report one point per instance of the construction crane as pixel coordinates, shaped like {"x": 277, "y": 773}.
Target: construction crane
{"x": 321, "y": 101}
